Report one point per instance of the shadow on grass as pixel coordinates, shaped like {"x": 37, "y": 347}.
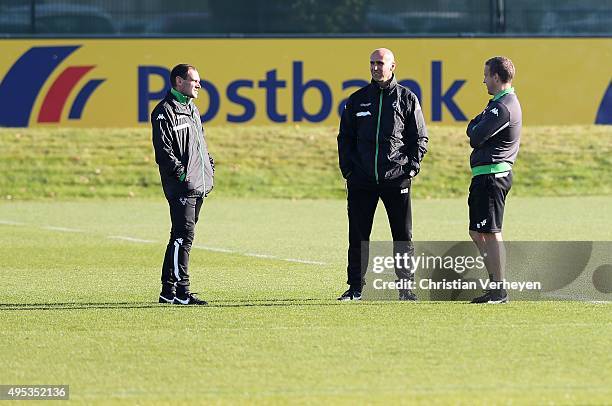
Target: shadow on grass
{"x": 213, "y": 304}
{"x": 154, "y": 305}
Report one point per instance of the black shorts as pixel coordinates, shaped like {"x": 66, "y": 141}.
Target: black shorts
{"x": 487, "y": 200}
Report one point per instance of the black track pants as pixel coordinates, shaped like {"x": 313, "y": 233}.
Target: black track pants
{"x": 362, "y": 202}
{"x": 184, "y": 214}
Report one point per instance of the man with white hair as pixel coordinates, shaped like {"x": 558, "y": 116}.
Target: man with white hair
{"x": 381, "y": 143}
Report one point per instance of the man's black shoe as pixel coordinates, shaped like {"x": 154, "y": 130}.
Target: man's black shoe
{"x": 166, "y": 298}
{"x": 189, "y": 299}
{"x": 168, "y": 291}
{"x": 407, "y": 294}
{"x": 350, "y": 295}
{"x": 492, "y": 296}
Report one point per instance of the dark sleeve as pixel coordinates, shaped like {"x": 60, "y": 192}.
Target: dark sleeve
{"x": 418, "y": 135}
{"x": 162, "y": 143}
{"x": 347, "y": 139}
{"x": 473, "y": 122}
{"x": 489, "y": 125}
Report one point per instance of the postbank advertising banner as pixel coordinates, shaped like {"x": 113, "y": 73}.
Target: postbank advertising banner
{"x": 116, "y": 82}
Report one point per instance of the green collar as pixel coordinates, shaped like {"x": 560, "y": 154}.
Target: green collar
{"x": 180, "y": 96}
{"x": 503, "y": 93}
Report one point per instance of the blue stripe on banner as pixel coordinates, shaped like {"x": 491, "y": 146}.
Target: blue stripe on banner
{"x": 23, "y": 82}
{"x": 76, "y": 111}
{"x": 604, "y": 114}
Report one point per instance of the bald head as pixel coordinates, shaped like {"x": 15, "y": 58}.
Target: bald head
{"x": 382, "y": 65}
{"x": 383, "y": 53}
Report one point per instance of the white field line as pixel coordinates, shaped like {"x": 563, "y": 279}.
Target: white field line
{"x": 11, "y": 223}
{"x": 255, "y": 255}
{"x": 130, "y": 239}
{"x": 62, "y": 229}
{"x": 303, "y": 261}
{"x": 214, "y": 249}
{"x": 224, "y": 250}
{"x": 202, "y": 247}
{"x": 266, "y": 256}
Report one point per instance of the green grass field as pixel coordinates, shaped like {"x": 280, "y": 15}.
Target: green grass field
{"x": 285, "y": 162}
{"x": 80, "y": 284}
{"x": 83, "y": 227}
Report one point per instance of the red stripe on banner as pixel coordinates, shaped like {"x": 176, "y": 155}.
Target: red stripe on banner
{"x": 51, "y": 110}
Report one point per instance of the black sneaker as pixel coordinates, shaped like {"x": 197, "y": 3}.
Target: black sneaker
{"x": 166, "y": 298}
{"x": 190, "y": 299}
{"x": 407, "y": 294}
{"x": 492, "y": 296}
{"x": 350, "y": 295}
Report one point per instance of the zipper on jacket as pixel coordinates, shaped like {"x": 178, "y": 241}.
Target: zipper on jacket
{"x": 377, "y": 132}
{"x": 200, "y": 143}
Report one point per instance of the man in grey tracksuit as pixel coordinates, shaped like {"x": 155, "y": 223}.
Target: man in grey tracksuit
{"x": 186, "y": 170}
{"x": 494, "y": 136}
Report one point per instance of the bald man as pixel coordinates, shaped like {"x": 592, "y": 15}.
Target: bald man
{"x": 381, "y": 143}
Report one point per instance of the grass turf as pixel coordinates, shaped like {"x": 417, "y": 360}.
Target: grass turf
{"x": 78, "y": 308}
{"x": 285, "y": 162}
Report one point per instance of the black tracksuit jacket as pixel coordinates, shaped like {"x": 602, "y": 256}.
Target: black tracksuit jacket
{"x": 382, "y": 136}
{"x": 495, "y": 133}
{"x": 185, "y": 166}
